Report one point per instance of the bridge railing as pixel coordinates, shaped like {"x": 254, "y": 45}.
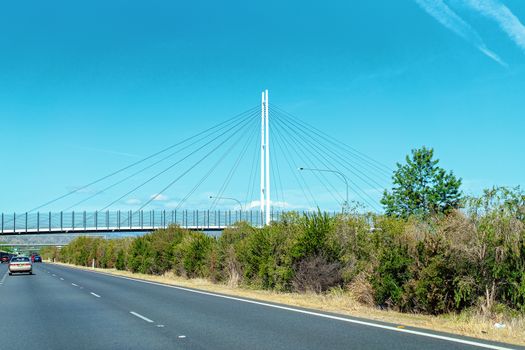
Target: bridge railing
{"x": 127, "y": 220}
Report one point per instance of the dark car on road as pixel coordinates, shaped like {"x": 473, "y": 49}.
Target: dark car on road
{"x": 37, "y": 258}
{"x": 4, "y": 259}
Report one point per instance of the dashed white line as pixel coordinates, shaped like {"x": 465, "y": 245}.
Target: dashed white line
{"x": 76, "y": 285}
{"x": 95, "y": 295}
{"x": 141, "y": 317}
{"x": 182, "y": 336}
{"x": 61, "y": 279}
{"x": 53, "y": 275}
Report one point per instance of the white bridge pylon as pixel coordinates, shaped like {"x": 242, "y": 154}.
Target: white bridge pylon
{"x": 265, "y": 159}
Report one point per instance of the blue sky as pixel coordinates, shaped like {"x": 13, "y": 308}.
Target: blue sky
{"x": 89, "y": 87}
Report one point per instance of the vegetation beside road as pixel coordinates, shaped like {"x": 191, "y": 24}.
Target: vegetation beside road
{"x": 434, "y": 252}
{"x": 466, "y": 264}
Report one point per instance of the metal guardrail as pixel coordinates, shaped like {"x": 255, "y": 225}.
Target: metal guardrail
{"x": 75, "y": 221}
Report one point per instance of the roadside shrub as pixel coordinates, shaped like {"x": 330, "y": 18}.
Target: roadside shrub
{"x": 312, "y": 238}
{"x": 392, "y": 273}
{"x": 153, "y": 253}
{"x": 362, "y": 289}
{"x": 191, "y": 255}
{"x": 120, "y": 263}
{"x": 316, "y": 274}
{"x": 227, "y": 267}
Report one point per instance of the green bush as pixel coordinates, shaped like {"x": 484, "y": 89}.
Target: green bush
{"x": 392, "y": 273}
{"x": 192, "y": 254}
{"x": 153, "y": 253}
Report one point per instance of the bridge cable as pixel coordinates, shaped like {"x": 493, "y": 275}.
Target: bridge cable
{"x": 274, "y": 187}
{"x": 254, "y": 167}
{"x": 187, "y": 171}
{"x": 298, "y": 127}
{"x": 139, "y": 161}
{"x": 147, "y": 167}
{"x": 318, "y": 175}
{"x": 212, "y": 169}
{"x": 293, "y": 168}
{"x": 229, "y": 177}
{"x": 355, "y": 153}
{"x": 173, "y": 165}
{"x": 315, "y": 149}
{"x": 216, "y": 164}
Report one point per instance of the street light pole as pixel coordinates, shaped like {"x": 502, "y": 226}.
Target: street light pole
{"x": 345, "y": 204}
{"x": 232, "y": 199}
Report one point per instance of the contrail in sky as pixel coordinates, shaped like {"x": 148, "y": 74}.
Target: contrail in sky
{"x": 500, "y": 13}
{"x": 452, "y": 21}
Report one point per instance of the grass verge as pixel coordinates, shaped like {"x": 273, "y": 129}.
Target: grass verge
{"x": 339, "y": 301}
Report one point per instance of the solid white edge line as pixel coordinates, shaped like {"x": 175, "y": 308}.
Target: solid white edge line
{"x": 312, "y": 313}
{"x": 96, "y": 295}
{"x": 140, "y": 316}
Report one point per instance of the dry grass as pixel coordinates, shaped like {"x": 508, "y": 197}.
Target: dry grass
{"x": 342, "y": 302}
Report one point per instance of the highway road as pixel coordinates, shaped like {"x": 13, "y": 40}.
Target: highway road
{"x": 65, "y": 308}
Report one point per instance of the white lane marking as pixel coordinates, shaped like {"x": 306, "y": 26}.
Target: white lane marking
{"x": 182, "y": 336}
{"x": 95, "y": 295}
{"x": 140, "y": 316}
{"x": 312, "y": 313}
{"x": 53, "y": 275}
{"x": 61, "y": 279}
{"x": 76, "y": 285}
{"x": 3, "y": 277}
{"x": 160, "y": 325}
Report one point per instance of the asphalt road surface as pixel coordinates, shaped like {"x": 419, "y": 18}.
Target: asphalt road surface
{"x": 65, "y": 308}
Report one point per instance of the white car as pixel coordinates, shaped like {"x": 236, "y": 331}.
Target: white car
{"x": 20, "y": 264}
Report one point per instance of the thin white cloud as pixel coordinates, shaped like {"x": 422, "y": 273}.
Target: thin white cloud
{"x": 500, "y": 13}
{"x": 133, "y": 201}
{"x": 452, "y": 21}
{"x": 159, "y": 197}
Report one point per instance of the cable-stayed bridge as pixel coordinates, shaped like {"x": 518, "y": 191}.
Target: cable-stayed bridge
{"x": 296, "y": 167}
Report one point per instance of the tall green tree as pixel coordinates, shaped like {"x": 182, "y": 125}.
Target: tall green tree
{"x": 421, "y": 187}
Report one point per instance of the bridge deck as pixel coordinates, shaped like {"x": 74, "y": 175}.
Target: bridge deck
{"x": 127, "y": 221}
{"x": 32, "y": 231}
